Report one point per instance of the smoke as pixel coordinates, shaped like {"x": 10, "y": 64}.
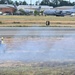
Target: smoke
{"x": 27, "y": 49}
{"x": 39, "y": 48}
{"x": 2, "y": 48}
{"x": 63, "y": 49}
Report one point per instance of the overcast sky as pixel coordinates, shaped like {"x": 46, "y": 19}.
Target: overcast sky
{"x": 33, "y": 1}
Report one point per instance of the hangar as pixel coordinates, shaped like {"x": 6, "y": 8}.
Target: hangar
{"x": 64, "y": 7}
{"x": 34, "y": 7}
{"x": 7, "y": 8}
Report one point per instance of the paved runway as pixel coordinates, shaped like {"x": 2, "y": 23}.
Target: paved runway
{"x": 37, "y": 31}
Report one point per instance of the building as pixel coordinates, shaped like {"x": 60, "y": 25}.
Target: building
{"x": 7, "y": 8}
{"x": 64, "y": 7}
{"x": 33, "y": 7}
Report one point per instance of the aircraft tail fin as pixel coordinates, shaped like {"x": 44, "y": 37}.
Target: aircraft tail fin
{"x": 74, "y": 7}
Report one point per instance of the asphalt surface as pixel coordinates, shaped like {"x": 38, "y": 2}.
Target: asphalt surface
{"x": 37, "y": 31}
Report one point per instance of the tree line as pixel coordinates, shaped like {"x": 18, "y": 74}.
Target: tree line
{"x": 13, "y": 2}
{"x": 53, "y": 3}
{"x": 56, "y": 3}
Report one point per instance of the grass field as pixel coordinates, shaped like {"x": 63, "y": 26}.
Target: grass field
{"x": 37, "y": 20}
{"x": 43, "y": 69}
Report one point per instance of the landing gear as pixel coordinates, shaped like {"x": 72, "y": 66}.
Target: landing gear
{"x": 47, "y": 23}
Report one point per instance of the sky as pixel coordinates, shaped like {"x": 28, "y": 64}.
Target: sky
{"x": 33, "y": 1}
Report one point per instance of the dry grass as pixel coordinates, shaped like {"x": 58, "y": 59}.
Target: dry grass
{"x": 36, "y": 18}
{"x": 31, "y": 20}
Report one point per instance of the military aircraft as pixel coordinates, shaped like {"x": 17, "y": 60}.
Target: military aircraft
{"x": 28, "y": 11}
{"x": 49, "y": 12}
{"x": 59, "y": 12}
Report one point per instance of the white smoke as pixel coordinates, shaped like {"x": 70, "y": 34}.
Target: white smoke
{"x": 42, "y": 48}
{"x": 64, "y": 49}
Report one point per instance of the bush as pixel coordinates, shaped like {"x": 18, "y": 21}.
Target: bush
{"x": 0, "y": 22}
{"x": 16, "y": 22}
{"x": 36, "y": 13}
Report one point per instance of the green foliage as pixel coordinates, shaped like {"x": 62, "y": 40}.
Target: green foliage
{"x": 24, "y": 3}
{"x": 36, "y": 13}
{"x": 20, "y": 2}
{"x": 41, "y": 12}
{"x": 22, "y": 12}
{"x": 11, "y": 2}
{"x": 16, "y": 22}
{"x": 45, "y": 2}
{"x": 56, "y": 3}
{"x": 6, "y": 1}
{"x": 0, "y": 22}
{"x": 65, "y": 3}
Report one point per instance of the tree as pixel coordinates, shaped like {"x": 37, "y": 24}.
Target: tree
{"x": 37, "y": 3}
{"x": 56, "y": 2}
{"x": 22, "y": 11}
{"x": 45, "y": 2}
{"x": 16, "y": 3}
{"x": 9, "y": 1}
{"x": 6, "y": 2}
{"x": 24, "y": 3}
{"x": 50, "y": 2}
{"x": 61, "y": 3}
{"x": 2, "y": 1}
{"x": 73, "y": 3}
{"x": 20, "y": 3}
{"x": 65, "y": 3}
{"x": 36, "y": 13}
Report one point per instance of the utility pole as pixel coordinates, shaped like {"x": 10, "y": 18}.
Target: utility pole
{"x": 56, "y": 2}
{"x": 69, "y": 1}
{"x": 39, "y": 2}
{"x": 30, "y": 2}
{"x": 6, "y": 2}
{"x": 50, "y": 0}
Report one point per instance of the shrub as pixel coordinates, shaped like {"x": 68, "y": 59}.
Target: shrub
{"x": 0, "y": 22}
